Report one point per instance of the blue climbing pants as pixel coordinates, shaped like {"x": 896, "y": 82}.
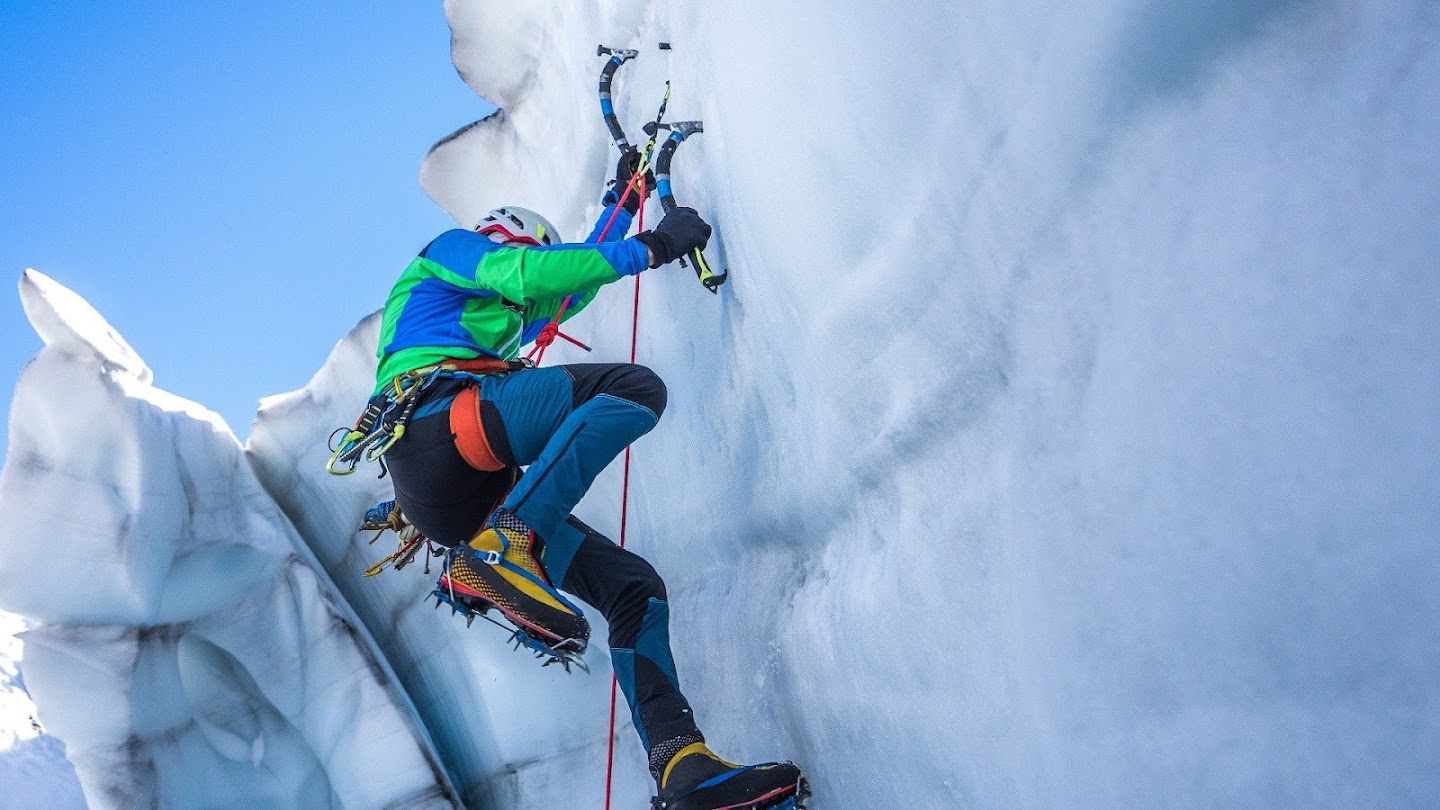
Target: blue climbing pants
{"x": 564, "y": 424}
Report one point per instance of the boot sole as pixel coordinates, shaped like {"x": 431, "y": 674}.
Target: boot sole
{"x": 786, "y": 797}
{"x": 481, "y": 603}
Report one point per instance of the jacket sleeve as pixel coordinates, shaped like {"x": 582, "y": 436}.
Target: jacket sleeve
{"x": 529, "y": 275}
{"x": 542, "y": 311}
{"x": 618, "y": 228}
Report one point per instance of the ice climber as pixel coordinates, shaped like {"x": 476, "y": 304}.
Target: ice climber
{"x": 471, "y": 416}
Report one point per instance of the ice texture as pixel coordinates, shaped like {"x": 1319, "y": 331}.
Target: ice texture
{"x": 189, "y": 652}
{"x": 33, "y": 769}
{"x": 1065, "y": 437}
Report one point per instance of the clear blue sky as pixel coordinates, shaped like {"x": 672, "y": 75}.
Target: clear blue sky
{"x": 232, "y": 185}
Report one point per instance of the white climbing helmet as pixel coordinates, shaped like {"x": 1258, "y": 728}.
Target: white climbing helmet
{"x": 518, "y": 224}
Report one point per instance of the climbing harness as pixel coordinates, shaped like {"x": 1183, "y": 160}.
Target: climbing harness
{"x": 388, "y": 412}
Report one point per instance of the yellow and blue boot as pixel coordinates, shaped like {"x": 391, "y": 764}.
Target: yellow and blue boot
{"x": 500, "y": 568}
{"x": 691, "y": 777}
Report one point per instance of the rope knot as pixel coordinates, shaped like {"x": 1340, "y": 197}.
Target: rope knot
{"x": 547, "y": 334}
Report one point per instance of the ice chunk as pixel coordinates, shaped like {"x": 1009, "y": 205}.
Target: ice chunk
{"x": 488, "y": 707}
{"x": 189, "y": 654}
{"x": 64, "y": 319}
{"x": 33, "y": 769}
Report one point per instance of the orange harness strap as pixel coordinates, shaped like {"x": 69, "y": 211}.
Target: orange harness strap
{"x": 480, "y": 365}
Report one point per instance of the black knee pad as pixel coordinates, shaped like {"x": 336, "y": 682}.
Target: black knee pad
{"x": 626, "y": 381}
{"x": 643, "y": 583}
{"x": 641, "y": 386}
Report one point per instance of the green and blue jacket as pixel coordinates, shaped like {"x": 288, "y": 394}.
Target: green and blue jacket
{"x": 465, "y": 296}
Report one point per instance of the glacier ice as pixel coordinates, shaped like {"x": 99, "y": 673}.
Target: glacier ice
{"x": 488, "y": 708}
{"x": 1064, "y": 437}
{"x": 1065, "y": 434}
{"x": 33, "y": 767}
{"x": 189, "y": 652}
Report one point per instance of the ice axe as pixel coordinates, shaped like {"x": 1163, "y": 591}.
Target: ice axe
{"x": 618, "y": 57}
{"x": 679, "y": 131}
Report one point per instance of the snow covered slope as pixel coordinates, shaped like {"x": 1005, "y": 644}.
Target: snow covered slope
{"x": 188, "y": 653}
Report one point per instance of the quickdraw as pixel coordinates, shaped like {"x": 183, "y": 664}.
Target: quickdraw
{"x": 388, "y": 517}
{"x": 388, "y": 412}
{"x": 382, "y": 424}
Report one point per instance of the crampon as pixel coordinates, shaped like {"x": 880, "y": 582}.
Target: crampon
{"x": 553, "y": 650}
{"x": 795, "y": 801}
{"x": 791, "y": 798}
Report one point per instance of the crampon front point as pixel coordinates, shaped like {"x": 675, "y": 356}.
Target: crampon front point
{"x": 554, "y": 650}
{"x": 794, "y": 801}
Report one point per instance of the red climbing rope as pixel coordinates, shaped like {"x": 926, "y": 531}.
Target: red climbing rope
{"x": 625, "y": 487}
{"x": 547, "y": 335}
{"x": 551, "y": 330}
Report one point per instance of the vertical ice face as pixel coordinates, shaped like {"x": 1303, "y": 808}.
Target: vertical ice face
{"x": 488, "y": 708}
{"x": 188, "y": 651}
{"x": 1064, "y": 437}
{"x": 1065, "y": 433}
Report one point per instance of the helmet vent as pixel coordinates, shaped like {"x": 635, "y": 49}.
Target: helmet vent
{"x": 519, "y": 225}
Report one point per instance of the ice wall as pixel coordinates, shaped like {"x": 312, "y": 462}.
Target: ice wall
{"x": 188, "y": 651}
{"x": 33, "y": 769}
{"x": 1066, "y": 434}
{"x": 491, "y": 710}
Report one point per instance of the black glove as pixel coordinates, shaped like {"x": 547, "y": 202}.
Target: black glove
{"x": 624, "y": 170}
{"x": 681, "y": 231}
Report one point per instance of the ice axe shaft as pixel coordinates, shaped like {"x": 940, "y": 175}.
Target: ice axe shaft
{"x": 679, "y": 131}
{"x": 618, "y": 57}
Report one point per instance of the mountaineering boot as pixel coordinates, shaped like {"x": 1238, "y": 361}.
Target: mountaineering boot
{"x": 691, "y": 777}
{"x": 500, "y": 568}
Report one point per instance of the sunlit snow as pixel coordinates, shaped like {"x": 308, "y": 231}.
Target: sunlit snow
{"x": 33, "y": 768}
